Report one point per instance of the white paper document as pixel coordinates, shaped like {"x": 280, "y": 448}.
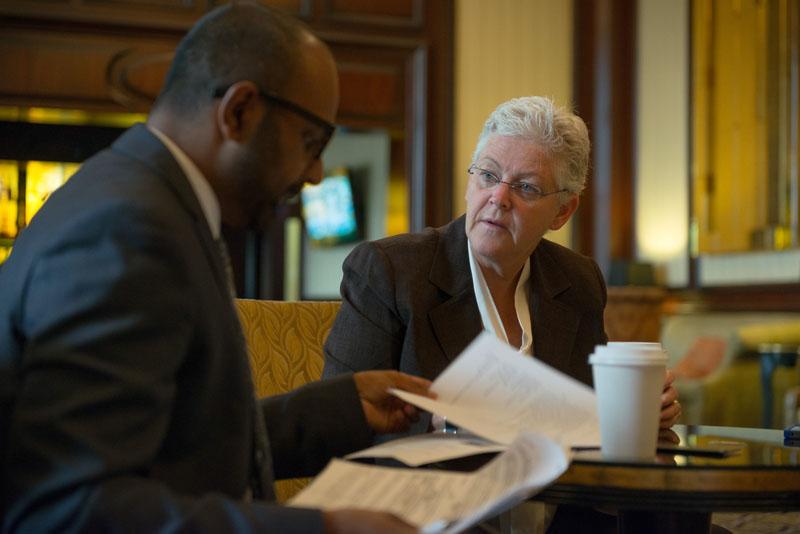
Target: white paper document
{"x": 428, "y": 448}
{"x": 496, "y": 393}
{"x": 440, "y": 501}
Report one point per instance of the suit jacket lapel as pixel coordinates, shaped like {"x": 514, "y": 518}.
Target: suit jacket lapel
{"x": 456, "y": 321}
{"x": 555, "y": 325}
{"x": 140, "y": 144}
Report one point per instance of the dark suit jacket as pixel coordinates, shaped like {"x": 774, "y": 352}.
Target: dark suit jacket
{"x": 408, "y": 303}
{"x": 127, "y": 399}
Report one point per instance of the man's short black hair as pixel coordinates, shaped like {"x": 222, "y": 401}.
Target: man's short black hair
{"x": 235, "y": 42}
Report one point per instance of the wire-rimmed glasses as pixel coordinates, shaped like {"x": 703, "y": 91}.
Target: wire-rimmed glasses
{"x": 524, "y": 190}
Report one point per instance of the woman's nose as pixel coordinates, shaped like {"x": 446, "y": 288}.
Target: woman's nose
{"x": 501, "y": 195}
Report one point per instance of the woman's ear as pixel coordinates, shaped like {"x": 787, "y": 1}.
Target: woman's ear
{"x": 565, "y": 211}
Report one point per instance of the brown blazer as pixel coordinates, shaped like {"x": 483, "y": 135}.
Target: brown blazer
{"x": 408, "y": 304}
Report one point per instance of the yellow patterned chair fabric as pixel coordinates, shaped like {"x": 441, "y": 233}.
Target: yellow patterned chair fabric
{"x": 284, "y": 342}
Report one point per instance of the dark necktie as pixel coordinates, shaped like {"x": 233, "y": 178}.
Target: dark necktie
{"x": 262, "y": 474}
{"x": 226, "y": 263}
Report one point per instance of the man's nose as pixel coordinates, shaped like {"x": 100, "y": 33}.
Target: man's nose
{"x": 313, "y": 173}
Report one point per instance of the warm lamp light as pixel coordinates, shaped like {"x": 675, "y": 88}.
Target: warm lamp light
{"x": 661, "y": 239}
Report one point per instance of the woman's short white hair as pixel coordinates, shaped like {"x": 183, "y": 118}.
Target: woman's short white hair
{"x": 557, "y": 130}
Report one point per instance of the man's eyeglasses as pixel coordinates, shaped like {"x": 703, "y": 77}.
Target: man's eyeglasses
{"x": 524, "y": 190}
{"x": 316, "y": 146}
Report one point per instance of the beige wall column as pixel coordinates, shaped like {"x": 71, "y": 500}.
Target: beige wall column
{"x": 505, "y": 49}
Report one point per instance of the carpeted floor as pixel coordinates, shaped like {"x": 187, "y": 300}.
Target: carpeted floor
{"x": 759, "y": 523}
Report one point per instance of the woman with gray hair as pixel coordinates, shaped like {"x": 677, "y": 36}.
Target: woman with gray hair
{"x": 415, "y": 301}
{"x": 557, "y": 130}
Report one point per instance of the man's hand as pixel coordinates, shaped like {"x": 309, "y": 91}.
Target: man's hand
{"x": 670, "y": 407}
{"x": 386, "y": 413}
{"x": 364, "y": 522}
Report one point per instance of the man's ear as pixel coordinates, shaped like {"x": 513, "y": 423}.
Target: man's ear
{"x": 565, "y": 211}
{"x": 238, "y": 113}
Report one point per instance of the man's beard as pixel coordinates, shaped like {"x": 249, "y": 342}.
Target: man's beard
{"x": 267, "y": 210}
{"x": 291, "y": 192}
{"x": 255, "y": 196}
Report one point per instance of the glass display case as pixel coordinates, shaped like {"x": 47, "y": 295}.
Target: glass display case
{"x": 40, "y": 148}
{"x": 24, "y": 187}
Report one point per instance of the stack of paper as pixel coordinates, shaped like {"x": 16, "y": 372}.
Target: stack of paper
{"x": 496, "y": 393}
{"x": 531, "y": 412}
{"x": 435, "y": 500}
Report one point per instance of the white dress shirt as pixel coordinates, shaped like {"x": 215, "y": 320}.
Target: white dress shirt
{"x": 486, "y": 306}
{"x": 527, "y": 517}
{"x": 202, "y": 189}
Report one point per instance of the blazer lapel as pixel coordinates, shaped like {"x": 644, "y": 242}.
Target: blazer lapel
{"x": 555, "y": 324}
{"x": 140, "y": 144}
{"x": 456, "y": 321}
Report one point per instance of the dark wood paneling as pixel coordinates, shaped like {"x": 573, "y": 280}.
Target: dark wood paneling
{"x": 777, "y": 298}
{"x": 397, "y": 13}
{"x": 395, "y": 58}
{"x": 135, "y": 75}
{"x": 70, "y": 69}
{"x": 374, "y": 94}
{"x": 298, "y": 8}
{"x": 175, "y": 14}
{"x": 184, "y": 6}
{"x": 583, "y": 88}
{"x": 372, "y": 87}
{"x": 604, "y": 82}
{"x": 438, "y": 182}
{"x": 634, "y": 313}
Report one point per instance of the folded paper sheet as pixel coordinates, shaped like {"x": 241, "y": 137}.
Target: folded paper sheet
{"x": 440, "y": 501}
{"x": 515, "y": 403}
{"x": 429, "y": 448}
{"x": 495, "y": 393}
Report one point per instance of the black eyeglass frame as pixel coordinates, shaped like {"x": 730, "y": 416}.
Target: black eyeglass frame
{"x": 328, "y": 128}
{"x": 516, "y": 187}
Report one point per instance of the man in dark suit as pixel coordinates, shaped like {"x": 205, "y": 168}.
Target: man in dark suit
{"x": 126, "y": 392}
{"x": 417, "y": 300}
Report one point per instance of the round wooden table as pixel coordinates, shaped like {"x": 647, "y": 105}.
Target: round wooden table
{"x": 678, "y": 493}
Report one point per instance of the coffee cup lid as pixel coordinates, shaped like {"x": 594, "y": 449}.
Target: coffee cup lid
{"x": 629, "y": 353}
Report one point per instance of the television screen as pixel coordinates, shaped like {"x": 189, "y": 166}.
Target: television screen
{"x": 329, "y": 210}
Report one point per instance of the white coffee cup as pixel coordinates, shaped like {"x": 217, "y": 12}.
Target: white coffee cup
{"x": 628, "y": 380}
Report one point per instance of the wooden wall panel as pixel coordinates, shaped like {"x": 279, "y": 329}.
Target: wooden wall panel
{"x": 135, "y": 76}
{"x": 407, "y": 13}
{"x": 371, "y": 94}
{"x": 373, "y": 79}
{"x": 298, "y": 8}
{"x": 603, "y": 78}
{"x": 634, "y": 313}
{"x": 169, "y": 14}
{"x": 68, "y": 69}
{"x": 395, "y": 58}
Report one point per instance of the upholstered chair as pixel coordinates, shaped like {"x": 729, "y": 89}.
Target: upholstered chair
{"x": 284, "y": 342}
